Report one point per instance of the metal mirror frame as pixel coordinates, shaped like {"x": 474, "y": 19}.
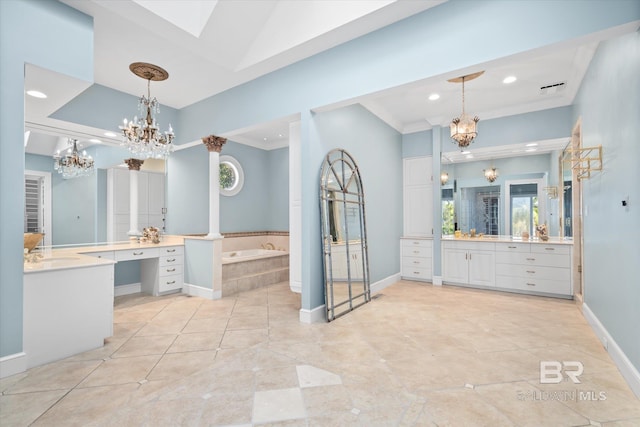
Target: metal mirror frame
{"x": 339, "y": 175}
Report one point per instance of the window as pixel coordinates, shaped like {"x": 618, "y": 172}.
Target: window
{"x": 524, "y": 208}
{"x": 448, "y": 215}
{"x": 231, "y": 176}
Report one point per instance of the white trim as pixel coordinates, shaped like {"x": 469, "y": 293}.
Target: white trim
{"x": 387, "y": 281}
{"x": 199, "y": 291}
{"x": 47, "y": 225}
{"x": 13, "y": 364}
{"x": 132, "y": 288}
{"x": 295, "y": 286}
{"x": 315, "y": 315}
{"x": 437, "y": 281}
{"x": 626, "y": 368}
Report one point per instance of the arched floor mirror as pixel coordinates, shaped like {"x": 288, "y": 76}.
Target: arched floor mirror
{"x": 344, "y": 235}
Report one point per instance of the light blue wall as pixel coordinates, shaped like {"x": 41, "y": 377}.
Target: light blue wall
{"x": 105, "y": 108}
{"x": 50, "y": 35}
{"x": 198, "y": 259}
{"x": 609, "y": 106}
{"x": 377, "y": 148}
{"x": 278, "y": 174}
{"x": 418, "y": 144}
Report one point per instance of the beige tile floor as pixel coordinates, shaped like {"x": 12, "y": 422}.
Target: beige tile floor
{"x": 417, "y": 355}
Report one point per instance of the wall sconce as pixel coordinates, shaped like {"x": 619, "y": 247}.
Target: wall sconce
{"x": 444, "y": 178}
{"x": 491, "y": 174}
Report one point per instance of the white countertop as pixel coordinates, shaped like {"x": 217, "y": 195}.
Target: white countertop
{"x": 60, "y": 258}
{"x": 511, "y": 239}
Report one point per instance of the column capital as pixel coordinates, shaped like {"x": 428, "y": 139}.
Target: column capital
{"x": 134, "y": 164}
{"x": 214, "y": 143}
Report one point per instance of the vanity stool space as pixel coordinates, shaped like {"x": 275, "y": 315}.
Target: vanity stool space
{"x": 161, "y": 267}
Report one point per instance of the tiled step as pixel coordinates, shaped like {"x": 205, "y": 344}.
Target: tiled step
{"x": 231, "y": 286}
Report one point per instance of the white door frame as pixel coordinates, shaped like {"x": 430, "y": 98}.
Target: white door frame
{"x": 47, "y": 226}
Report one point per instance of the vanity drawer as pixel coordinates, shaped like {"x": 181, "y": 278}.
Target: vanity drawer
{"x": 518, "y": 247}
{"x": 140, "y": 253}
{"x": 560, "y": 287}
{"x": 416, "y": 252}
{"x": 420, "y": 273}
{"x": 171, "y": 260}
{"x": 534, "y": 259}
{"x": 534, "y": 272}
{"x": 102, "y": 254}
{"x": 167, "y": 270}
{"x": 413, "y": 262}
{"x": 170, "y": 283}
{"x": 551, "y": 249}
{"x": 171, "y": 250}
{"x": 417, "y": 243}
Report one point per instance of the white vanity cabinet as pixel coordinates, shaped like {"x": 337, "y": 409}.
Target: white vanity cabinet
{"x": 416, "y": 259}
{"x": 163, "y": 273}
{"x": 468, "y": 263}
{"x": 417, "y": 196}
{"x": 340, "y": 265}
{"x": 534, "y": 267}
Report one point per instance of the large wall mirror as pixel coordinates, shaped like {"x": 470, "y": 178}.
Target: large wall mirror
{"x": 503, "y": 190}
{"x": 68, "y": 211}
{"x": 344, "y": 235}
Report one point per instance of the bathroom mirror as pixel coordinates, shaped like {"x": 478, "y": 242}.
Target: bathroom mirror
{"x": 469, "y": 201}
{"x": 344, "y": 235}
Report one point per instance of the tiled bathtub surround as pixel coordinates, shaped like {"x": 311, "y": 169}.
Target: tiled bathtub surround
{"x": 417, "y": 355}
{"x": 252, "y": 274}
{"x": 255, "y": 240}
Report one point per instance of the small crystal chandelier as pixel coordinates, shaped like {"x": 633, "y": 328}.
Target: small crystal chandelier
{"x": 491, "y": 174}
{"x": 444, "y": 178}
{"x": 143, "y": 138}
{"x": 464, "y": 128}
{"x": 72, "y": 164}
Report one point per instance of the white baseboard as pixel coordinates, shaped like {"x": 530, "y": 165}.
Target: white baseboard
{"x": 295, "y": 286}
{"x": 199, "y": 291}
{"x": 437, "y": 281}
{"x": 387, "y": 281}
{"x": 133, "y": 288}
{"x": 13, "y": 364}
{"x": 315, "y": 315}
{"x": 626, "y": 368}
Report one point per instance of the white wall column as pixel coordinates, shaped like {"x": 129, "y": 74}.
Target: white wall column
{"x": 134, "y": 170}
{"x": 295, "y": 209}
{"x": 214, "y": 146}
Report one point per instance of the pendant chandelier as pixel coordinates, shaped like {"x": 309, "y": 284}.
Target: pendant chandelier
{"x": 73, "y": 164}
{"x": 143, "y": 138}
{"x": 491, "y": 174}
{"x": 464, "y": 128}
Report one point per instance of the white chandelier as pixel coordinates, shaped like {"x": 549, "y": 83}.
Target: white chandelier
{"x": 73, "y": 164}
{"x": 464, "y": 128}
{"x": 143, "y": 138}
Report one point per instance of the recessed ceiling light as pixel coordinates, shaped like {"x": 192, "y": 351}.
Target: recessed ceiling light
{"x": 265, "y": 138}
{"x": 509, "y": 79}
{"x": 466, "y": 152}
{"x": 110, "y": 134}
{"x": 279, "y": 135}
{"x": 530, "y": 150}
{"x": 469, "y": 156}
{"x": 532, "y": 144}
{"x": 434, "y": 96}
{"x": 95, "y": 141}
{"x": 36, "y": 94}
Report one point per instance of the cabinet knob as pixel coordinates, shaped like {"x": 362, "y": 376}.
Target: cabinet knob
{"x": 530, "y": 272}
{"x": 531, "y": 284}
{"x": 170, "y": 270}
{"x": 531, "y": 259}
{"x": 171, "y": 260}
{"x": 416, "y": 252}
{"x": 549, "y": 249}
{"x": 171, "y": 250}
{"x": 416, "y": 272}
{"x": 171, "y": 282}
{"x": 512, "y": 247}
{"x": 138, "y": 253}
